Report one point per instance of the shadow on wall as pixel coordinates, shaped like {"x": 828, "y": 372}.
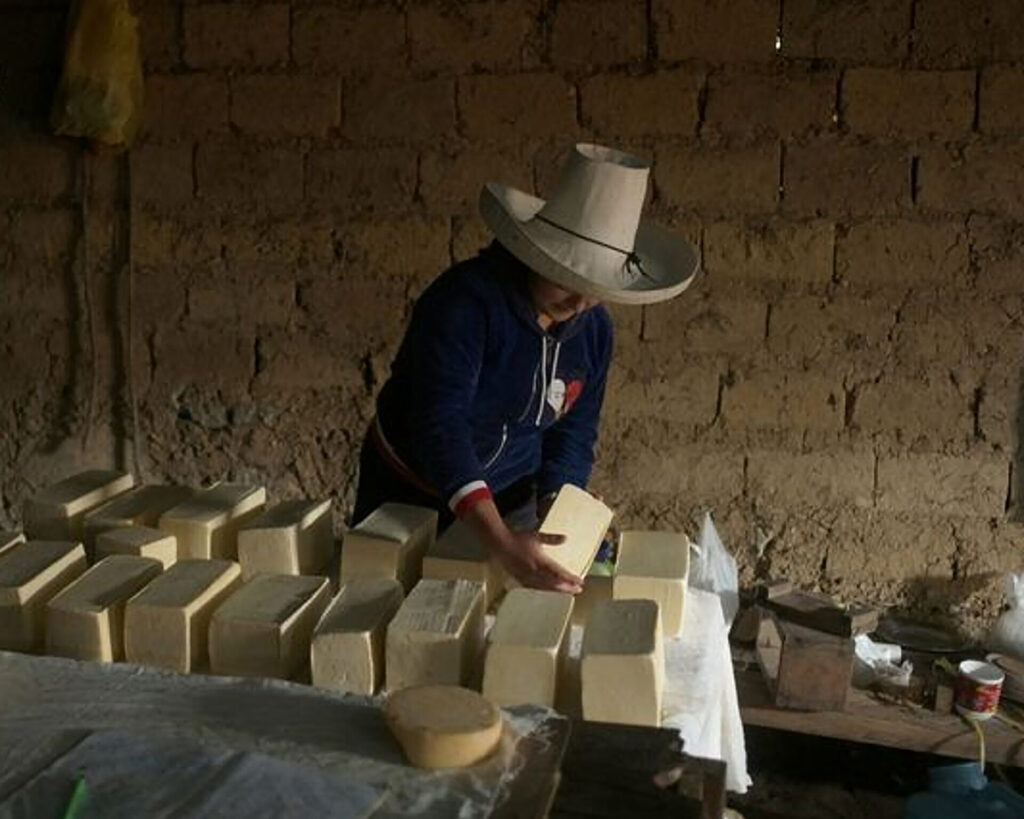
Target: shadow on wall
{"x": 941, "y": 599}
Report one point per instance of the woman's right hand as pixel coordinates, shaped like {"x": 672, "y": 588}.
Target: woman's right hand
{"x": 522, "y": 555}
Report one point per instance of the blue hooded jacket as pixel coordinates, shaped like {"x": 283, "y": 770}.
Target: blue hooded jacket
{"x": 481, "y": 396}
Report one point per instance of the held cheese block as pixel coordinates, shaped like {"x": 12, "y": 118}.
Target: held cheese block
{"x": 206, "y": 525}
{"x": 264, "y": 628}
{"x": 10, "y": 539}
{"x": 166, "y": 624}
{"x": 294, "y": 537}
{"x": 389, "y": 543}
{"x": 583, "y": 520}
{"x": 138, "y": 540}
{"x": 443, "y": 726}
{"x": 527, "y": 648}
{"x": 437, "y": 635}
{"x": 141, "y": 506}
{"x": 86, "y": 620}
{"x": 58, "y": 511}
{"x": 654, "y": 566}
{"x": 458, "y": 553}
{"x": 30, "y": 575}
{"x": 347, "y": 654}
{"x": 622, "y": 666}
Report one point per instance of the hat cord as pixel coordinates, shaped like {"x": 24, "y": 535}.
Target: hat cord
{"x": 632, "y": 259}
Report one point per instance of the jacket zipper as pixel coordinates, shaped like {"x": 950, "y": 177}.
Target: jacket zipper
{"x": 501, "y": 446}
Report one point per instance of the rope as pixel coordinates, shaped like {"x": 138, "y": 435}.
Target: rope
{"x": 632, "y": 259}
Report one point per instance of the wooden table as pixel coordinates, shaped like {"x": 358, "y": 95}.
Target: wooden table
{"x": 868, "y": 719}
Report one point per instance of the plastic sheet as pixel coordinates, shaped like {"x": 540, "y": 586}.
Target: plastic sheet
{"x": 194, "y": 741}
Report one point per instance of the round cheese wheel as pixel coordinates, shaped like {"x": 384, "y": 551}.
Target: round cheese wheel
{"x": 443, "y": 726}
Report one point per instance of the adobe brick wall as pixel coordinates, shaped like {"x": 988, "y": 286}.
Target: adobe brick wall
{"x": 842, "y": 386}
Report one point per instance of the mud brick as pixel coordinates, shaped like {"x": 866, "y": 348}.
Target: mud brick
{"x": 186, "y": 238}
{"x": 452, "y": 181}
{"x": 162, "y": 174}
{"x": 239, "y": 172}
{"x": 812, "y": 479}
{"x": 965, "y": 33}
{"x": 507, "y": 108}
{"x": 871, "y": 31}
{"x": 159, "y": 35}
{"x": 358, "y": 179}
{"x": 34, "y": 38}
{"x": 966, "y": 485}
{"x": 746, "y": 179}
{"x": 988, "y": 547}
{"x": 716, "y": 30}
{"x": 899, "y": 252}
{"x": 185, "y": 105}
{"x": 284, "y": 106}
{"x": 263, "y": 295}
{"x": 756, "y": 105}
{"x": 830, "y": 178}
{"x": 598, "y": 33}
{"x": 203, "y": 353}
{"x": 880, "y": 102}
{"x": 652, "y": 385}
{"x": 845, "y": 329}
{"x": 38, "y": 171}
{"x": 415, "y": 249}
{"x": 701, "y": 324}
{"x": 997, "y": 253}
{"x": 461, "y": 37}
{"x": 44, "y": 238}
{"x": 1001, "y": 101}
{"x": 296, "y": 241}
{"x": 355, "y": 306}
{"x": 364, "y": 39}
{"x": 985, "y": 178}
{"x": 659, "y": 104}
{"x": 230, "y": 35}
{"x": 469, "y": 236}
{"x": 399, "y": 109}
{"x": 787, "y": 251}
{"x": 299, "y": 359}
{"x": 781, "y": 401}
{"x": 926, "y": 409}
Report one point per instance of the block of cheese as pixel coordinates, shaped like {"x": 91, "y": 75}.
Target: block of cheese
{"x": 294, "y": 537}
{"x": 443, "y": 726}
{"x": 458, "y": 553}
{"x": 206, "y": 525}
{"x": 583, "y": 520}
{"x": 527, "y": 647}
{"x": 654, "y": 566}
{"x": 347, "y": 653}
{"x": 9, "y": 539}
{"x": 596, "y": 587}
{"x": 141, "y": 506}
{"x": 166, "y": 624}
{"x": 30, "y": 575}
{"x": 58, "y": 511}
{"x": 622, "y": 665}
{"x": 437, "y": 635}
{"x": 86, "y": 620}
{"x": 137, "y": 540}
{"x": 264, "y": 628}
{"x": 390, "y": 543}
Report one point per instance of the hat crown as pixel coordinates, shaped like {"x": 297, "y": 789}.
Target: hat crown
{"x": 600, "y": 195}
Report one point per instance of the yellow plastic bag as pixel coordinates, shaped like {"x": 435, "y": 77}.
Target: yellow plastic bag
{"x": 100, "y": 92}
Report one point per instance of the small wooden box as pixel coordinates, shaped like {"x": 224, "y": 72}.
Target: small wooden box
{"x": 805, "y": 669}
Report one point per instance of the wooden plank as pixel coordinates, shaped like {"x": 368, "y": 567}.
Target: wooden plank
{"x": 877, "y": 723}
{"x": 817, "y": 611}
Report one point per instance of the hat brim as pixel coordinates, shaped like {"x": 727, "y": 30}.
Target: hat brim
{"x": 668, "y": 261}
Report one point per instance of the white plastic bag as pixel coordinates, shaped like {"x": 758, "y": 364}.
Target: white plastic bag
{"x": 879, "y": 663}
{"x": 1007, "y": 635}
{"x": 714, "y": 569}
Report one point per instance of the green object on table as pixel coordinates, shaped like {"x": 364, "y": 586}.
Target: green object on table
{"x": 78, "y": 796}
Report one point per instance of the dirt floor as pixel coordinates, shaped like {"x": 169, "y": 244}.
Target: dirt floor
{"x": 801, "y": 777}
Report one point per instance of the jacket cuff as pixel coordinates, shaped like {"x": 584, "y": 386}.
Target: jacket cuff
{"x": 467, "y": 497}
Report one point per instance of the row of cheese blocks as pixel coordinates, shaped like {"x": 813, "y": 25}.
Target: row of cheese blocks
{"x": 110, "y": 516}
{"x": 125, "y": 607}
{"x": 105, "y": 511}
{"x": 228, "y": 521}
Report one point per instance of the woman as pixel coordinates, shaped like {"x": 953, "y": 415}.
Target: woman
{"x": 494, "y": 397}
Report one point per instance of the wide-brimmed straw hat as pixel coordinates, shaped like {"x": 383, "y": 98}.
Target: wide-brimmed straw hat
{"x": 588, "y": 236}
